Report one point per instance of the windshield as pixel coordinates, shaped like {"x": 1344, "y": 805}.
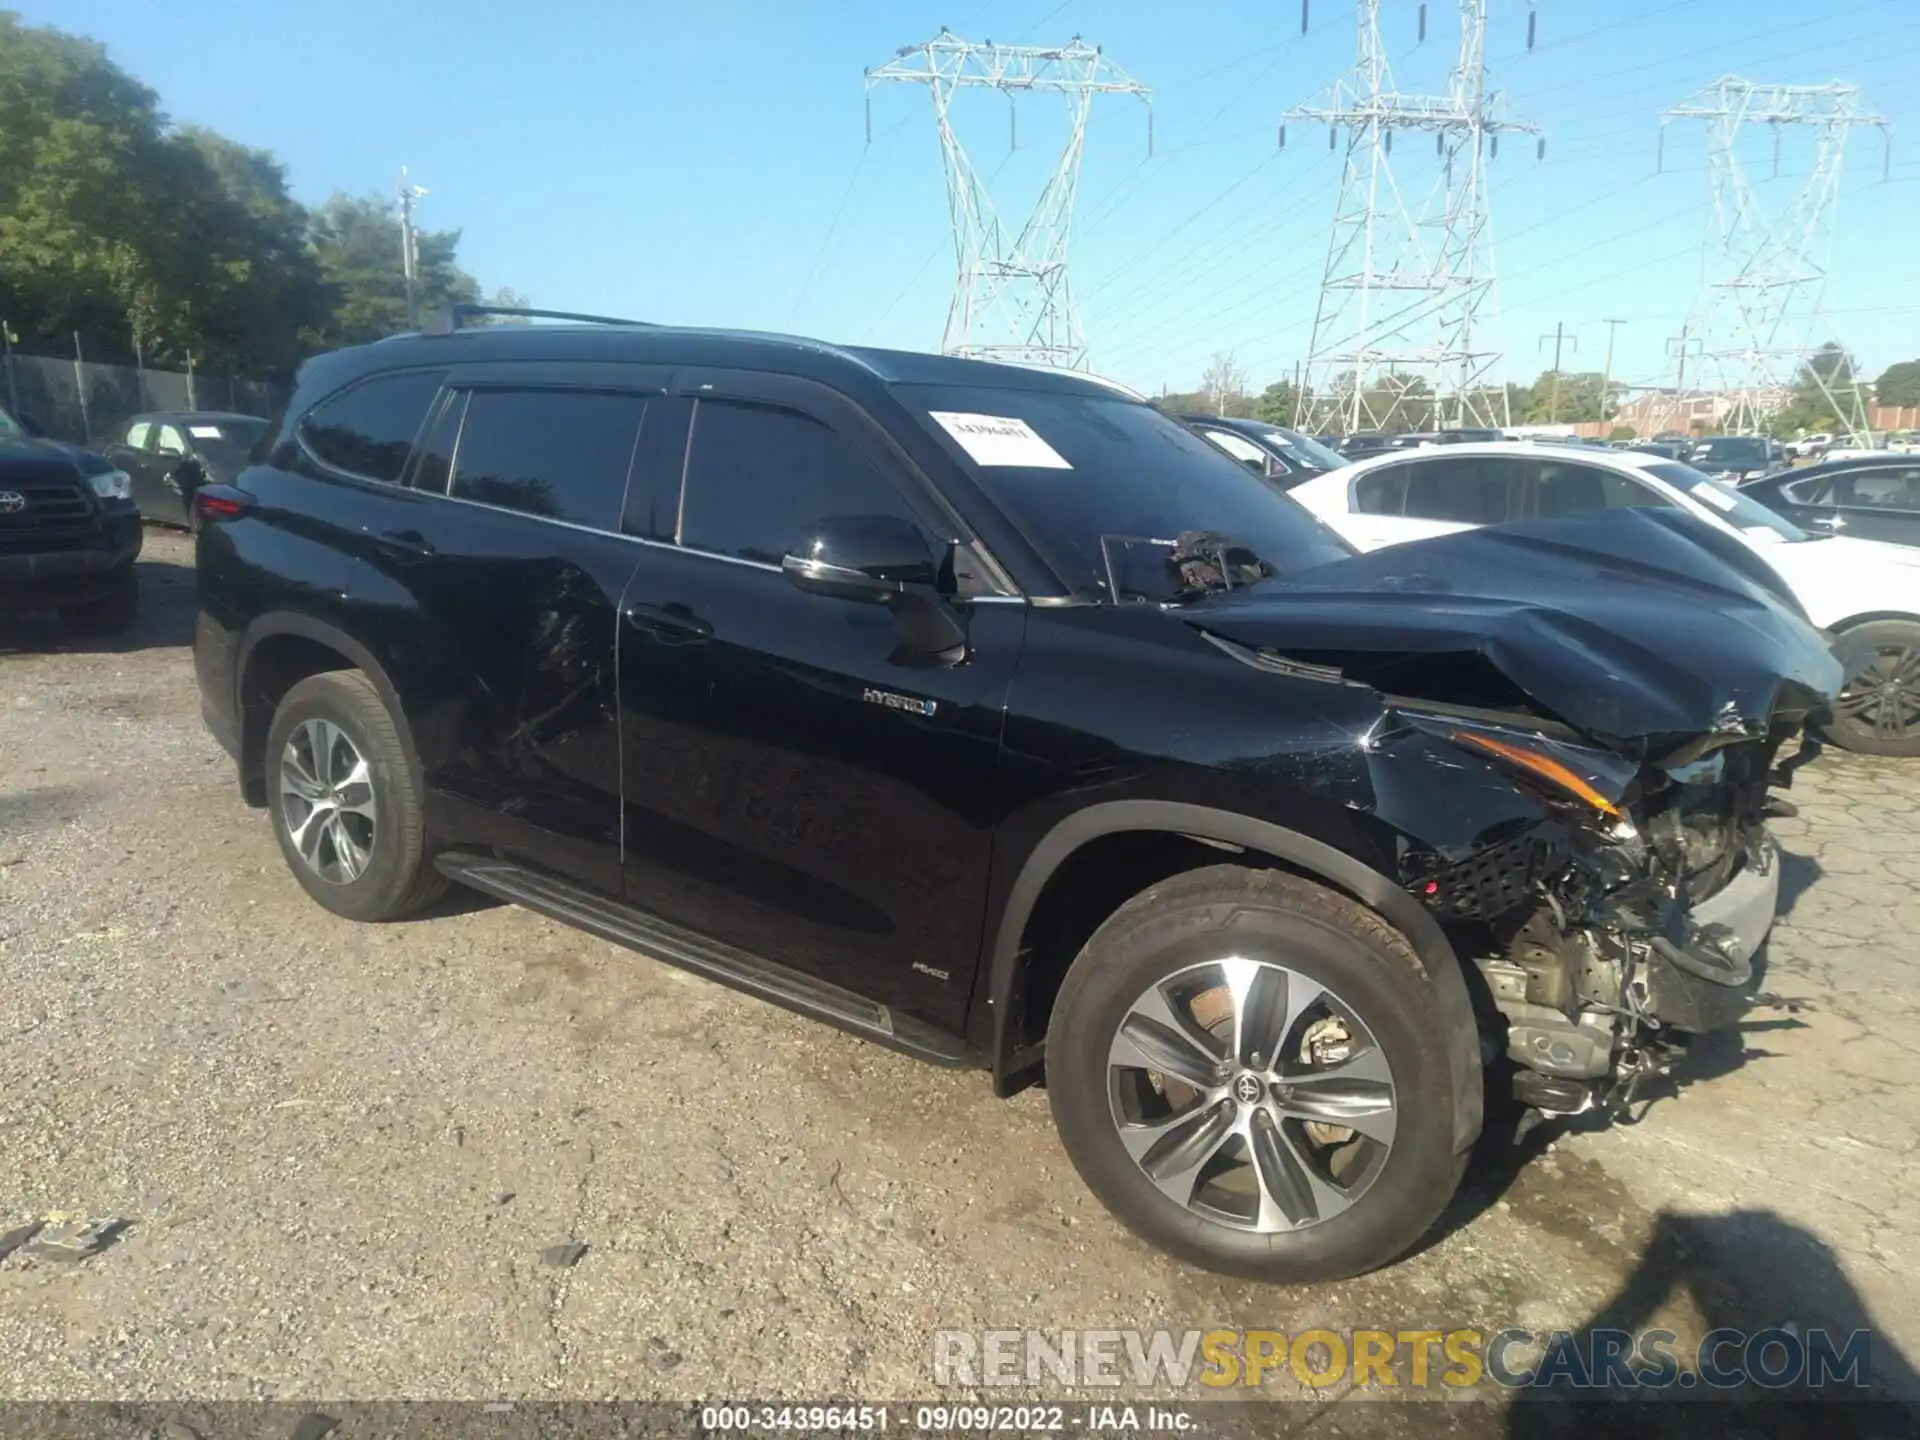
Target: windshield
{"x": 1072, "y": 470}
{"x": 10, "y": 428}
{"x": 226, "y": 443}
{"x": 1732, "y": 450}
{"x": 1311, "y": 452}
{"x": 1742, "y": 512}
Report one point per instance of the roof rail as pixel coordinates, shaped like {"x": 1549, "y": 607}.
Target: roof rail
{"x": 449, "y": 318}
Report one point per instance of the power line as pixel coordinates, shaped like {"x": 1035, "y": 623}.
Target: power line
{"x": 1043, "y": 20}
{"x": 1202, "y": 209}
{"x": 833, "y": 224}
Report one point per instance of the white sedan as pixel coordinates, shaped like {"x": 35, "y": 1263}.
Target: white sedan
{"x": 1864, "y": 592}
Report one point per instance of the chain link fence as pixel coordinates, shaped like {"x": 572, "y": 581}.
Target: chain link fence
{"x": 85, "y": 403}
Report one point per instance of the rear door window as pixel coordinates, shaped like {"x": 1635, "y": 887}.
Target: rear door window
{"x": 1892, "y": 487}
{"x": 559, "y": 454}
{"x": 368, "y": 430}
{"x": 1560, "y": 489}
{"x": 1466, "y": 490}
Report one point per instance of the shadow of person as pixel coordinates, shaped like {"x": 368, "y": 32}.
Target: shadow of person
{"x": 1797, "y": 874}
{"x": 1745, "y": 1272}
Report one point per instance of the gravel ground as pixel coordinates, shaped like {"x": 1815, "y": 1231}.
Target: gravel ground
{"x": 341, "y": 1149}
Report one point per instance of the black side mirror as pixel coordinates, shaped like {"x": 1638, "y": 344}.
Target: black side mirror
{"x": 861, "y": 557}
{"x": 883, "y": 560}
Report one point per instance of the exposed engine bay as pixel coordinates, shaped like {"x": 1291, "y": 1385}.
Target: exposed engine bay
{"x": 1608, "y": 932}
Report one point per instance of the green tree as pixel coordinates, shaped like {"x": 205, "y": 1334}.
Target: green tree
{"x": 1898, "y": 384}
{"x": 356, "y": 241}
{"x": 1278, "y": 403}
{"x": 1580, "y": 398}
{"x": 172, "y": 243}
{"x": 262, "y": 288}
{"x": 1825, "y": 394}
{"x": 80, "y": 150}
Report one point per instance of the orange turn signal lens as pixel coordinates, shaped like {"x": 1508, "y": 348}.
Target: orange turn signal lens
{"x": 1544, "y": 766}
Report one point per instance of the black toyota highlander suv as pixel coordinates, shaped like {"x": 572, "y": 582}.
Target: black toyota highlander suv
{"x": 69, "y": 533}
{"x": 997, "y": 717}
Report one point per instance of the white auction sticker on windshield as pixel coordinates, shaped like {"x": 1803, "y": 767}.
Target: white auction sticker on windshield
{"x": 999, "y": 440}
{"x": 204, "y": 432}
{"x": 1714, "y": 496}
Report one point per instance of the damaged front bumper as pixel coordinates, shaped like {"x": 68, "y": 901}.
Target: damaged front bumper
{"x": 1702, "y": 980}
{"x": 1612, "y": 908}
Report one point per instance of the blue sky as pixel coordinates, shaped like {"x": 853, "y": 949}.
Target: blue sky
{"x": 707, "y": 163}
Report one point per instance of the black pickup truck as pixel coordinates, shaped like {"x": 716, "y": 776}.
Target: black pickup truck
{"x": 69, "y": 532}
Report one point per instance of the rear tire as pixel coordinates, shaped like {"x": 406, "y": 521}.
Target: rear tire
{"x": 345, "y": 802}
{"x": 113, "y": 614}
{"x": 1281, "y": 1198}
{"x": 1878, "y": 712}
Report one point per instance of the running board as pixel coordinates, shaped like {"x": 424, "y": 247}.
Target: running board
{"x": 710, "y": 959}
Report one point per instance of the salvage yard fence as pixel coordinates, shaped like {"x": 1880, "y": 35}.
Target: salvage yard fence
{"x": 84, "y": 402}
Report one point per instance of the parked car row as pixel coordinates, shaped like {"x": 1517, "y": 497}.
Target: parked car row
{"x": 1864, "y": 592}
{"x": 69, "y": 532}
{"x": 70, "y": 516}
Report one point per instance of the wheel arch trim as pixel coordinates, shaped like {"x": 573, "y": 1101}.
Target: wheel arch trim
{"x": 275, "y": 624}
{"x": 1872, "y": 617}
{"x": 1336, "y": 868}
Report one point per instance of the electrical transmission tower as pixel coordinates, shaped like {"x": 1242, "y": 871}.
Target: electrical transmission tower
{"x": 1766, "y": 273}
{"x": 1011, "y": 297}
{"x": 1408, "y": 304}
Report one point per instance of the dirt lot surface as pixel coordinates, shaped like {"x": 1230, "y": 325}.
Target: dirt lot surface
{"x": 341, "y": 1149}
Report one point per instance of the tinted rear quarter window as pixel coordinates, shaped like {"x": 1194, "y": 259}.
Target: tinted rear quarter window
{"x": 560, "y": 454}
{"x": 368, "y": 429}
{"x": 1561, "y": 490}
{"x": 758, "y": 475}
{"x": 1816, "y": 491}
{"x": 1381, "y": 492}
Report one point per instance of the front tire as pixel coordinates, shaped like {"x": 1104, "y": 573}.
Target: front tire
{"x": 345, "y": 802}
{"x": 112, "y": 614}
{"x": 1878, "y": 712}
{"x": 1249, "y": 1071}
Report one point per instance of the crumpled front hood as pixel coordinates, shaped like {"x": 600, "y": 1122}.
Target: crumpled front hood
{"x": 1644, "y": 628}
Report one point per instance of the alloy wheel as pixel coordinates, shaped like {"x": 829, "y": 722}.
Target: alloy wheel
{"x": 326, "y": 801}
{"x": 1882, "y": 697}
{"x": 1252, "y": 1095}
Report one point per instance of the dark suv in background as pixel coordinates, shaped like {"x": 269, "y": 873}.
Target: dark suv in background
{"x": 999, "y": 718}
{"x": 69, "y": 533}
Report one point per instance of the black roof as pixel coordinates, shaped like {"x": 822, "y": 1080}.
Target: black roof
{"x": 737, "y": 349}
{"x": 1244, "y": 423}
{"x": 1853, "y": 462}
